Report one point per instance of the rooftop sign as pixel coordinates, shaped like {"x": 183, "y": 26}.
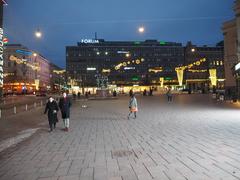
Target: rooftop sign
{"x": 91, "y": 69}
{"x": 90, "y": 41}
{"x": 23, "y": 52}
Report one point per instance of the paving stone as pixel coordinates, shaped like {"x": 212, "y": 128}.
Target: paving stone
{"x": 69, "y": 178}
{"x": 191, "y": 138}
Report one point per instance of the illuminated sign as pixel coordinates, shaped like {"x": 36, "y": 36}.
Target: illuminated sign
{"x": 1, "y": 57}
{"x": 90, "y": 41}
{"x": 237, "y": 67}
{"x": 137, "y": 42}
{"x": 91, "y": 69}
{"x": 5, "y": 40}
{"x": 24, "y": 61}
{"x": 135, "y": 78}
{"x": 106, "y": 70}
{"x": 123, "y": 52}
{"x": 162, "y": 43}
{"x": 129, "y": 68}
{"x": 23, "y": 52}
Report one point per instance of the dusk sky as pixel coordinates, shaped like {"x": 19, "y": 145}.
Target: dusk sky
{"x": 66, "y": 22}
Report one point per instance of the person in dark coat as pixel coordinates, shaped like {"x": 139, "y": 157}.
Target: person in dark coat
{"x": 169, "y": 94}
{"x": 52, "y": 109}
{"x": 64, "y": 105}
{"x": 131, "y": 93}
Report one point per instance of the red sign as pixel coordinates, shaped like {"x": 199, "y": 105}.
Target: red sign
{"x": 5, "y": 40}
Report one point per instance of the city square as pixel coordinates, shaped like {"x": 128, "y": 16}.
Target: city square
{"x": 125, "y": 90}
{"x": 184, "y": 139}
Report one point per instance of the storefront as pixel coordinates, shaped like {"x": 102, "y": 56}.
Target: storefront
{"x": 237, "y": 76}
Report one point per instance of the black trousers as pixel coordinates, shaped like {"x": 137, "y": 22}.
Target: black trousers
{"x": 52, "y": 124}
{"x": 169, "y": 98}
{"x": 135, "y": 114}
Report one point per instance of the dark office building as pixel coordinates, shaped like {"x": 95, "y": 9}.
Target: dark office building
{"x": 125, "y": 63}
{"x": 198, "y": 76}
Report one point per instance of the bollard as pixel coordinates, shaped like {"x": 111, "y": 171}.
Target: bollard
{"x": 15, "y": 110}
{"x": 4, "y": 102}
{"x": 41, "y": 103}
{"x": 0, "y": 113}
{"x": 35, "y": 105}
{"x": 26, "y": 107}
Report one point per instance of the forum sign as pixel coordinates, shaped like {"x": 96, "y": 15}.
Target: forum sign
{"x": 1, "y": 57}
{"x": 90, "y": 41}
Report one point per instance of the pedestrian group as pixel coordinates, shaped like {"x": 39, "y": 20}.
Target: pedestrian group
{"x": 64, "y": 106}
{"x": 52, "y": 109}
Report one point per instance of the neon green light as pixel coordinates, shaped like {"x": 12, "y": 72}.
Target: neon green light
{"x": 162, "y": 42}
{"x": 135, "y": 78}
{"x": 168, "y": 78}
{"x": 137, "y": 42}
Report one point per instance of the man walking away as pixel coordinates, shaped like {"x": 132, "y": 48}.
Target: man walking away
{"x": 169, "y": 94}
{"x": 64, "y": 105}
{"x": 52, "y": 109}
{"x": 133, "y": 107}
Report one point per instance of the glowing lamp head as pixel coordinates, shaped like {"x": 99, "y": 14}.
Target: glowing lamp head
{"x": 38, "y": 34}
{"x": 141, "y": 29}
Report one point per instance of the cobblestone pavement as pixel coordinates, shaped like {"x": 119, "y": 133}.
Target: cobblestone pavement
{"x": 183, "y": 140}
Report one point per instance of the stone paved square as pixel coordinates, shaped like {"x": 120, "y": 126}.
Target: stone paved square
{"x": 192, "y": 138}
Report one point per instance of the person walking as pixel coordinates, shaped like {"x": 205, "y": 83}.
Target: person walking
{"x": 52, "y": 110}
{"x": 133, "y": 107}
{"x": 64, "y": 105}
{"x": 144, "y": 92}
{"x": 130, "y": 92}
{"x": 169, "y": 94}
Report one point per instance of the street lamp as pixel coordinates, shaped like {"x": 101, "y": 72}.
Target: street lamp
{"x": 193, "y": 49}
{"x": 38, "y": 34}
{"x": 141, "y": 29}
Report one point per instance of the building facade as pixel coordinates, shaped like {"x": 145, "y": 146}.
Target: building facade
{"x": 231, "y": 32}
{"x": 145, "y": 63}
{"x": 124, "y": 63}
{"x": 24, "y": 70}
{"x": 57, "y": 78}
{"x": 207, "y": 62}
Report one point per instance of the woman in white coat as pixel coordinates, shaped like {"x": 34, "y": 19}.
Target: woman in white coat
{"x": 133, "y": 107}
